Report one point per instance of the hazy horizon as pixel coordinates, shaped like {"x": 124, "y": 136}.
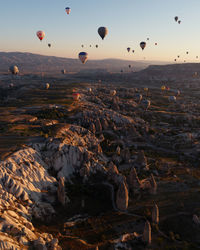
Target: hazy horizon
{"x": 96, "y": 59}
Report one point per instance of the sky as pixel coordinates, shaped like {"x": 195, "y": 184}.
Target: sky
{"x": 128, "y": 21}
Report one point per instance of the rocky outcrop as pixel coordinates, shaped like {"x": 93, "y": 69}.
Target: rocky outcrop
{"x": 73, "y": 148}
{"x": 98, "y": 125}
{"x": 141, "y": 161}
{"x": 146, "y": 237}
{"x": 134, "y": 182}
{"x": 122, "y": 197}
{"x": 114, "y": 175}
{"x": 118, "y": 150}
{"x": 125, "y": 154}
{"x": 155, "y": 214}
{"x": 62, "y": 198}
{"x": 153, "y": 185}
{"x": 196, "y": 219}
{"x": 104, "y": 123}
{"x": 27, "y": 191}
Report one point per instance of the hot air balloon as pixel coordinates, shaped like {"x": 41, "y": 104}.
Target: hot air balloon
{"x": 47, "y": 85}
{"x": 82, "y": 45}
{"x": 89, "y": 89}
{"x": 128, "y": 49}
{"x": 76, "y": 96}
{"x": 167, "y": 88}
{"x": 138, "y": 97}
{"x": 176, "y": 18}
{"x": 197, "y": 57}
{"x": 90, "y": 46}
{"x": 178, "y": 56}
{"x": 156, "y": 44}
{"x": 187, "y": 52}
{"x": 179, "y": 21}
{"x": 68, "y": 10}
{"x": 97, "y": 45}
{"x": 147, "y": 39}
{"x": 175, "y": 60}
{"x": 113, "y": 92}
{"x": 63, "y": 71}
{"x": 40, "y": 34}
{"x": 177, "y": 92}
{"x": 14, "y": 69}
{"x": 142, "y": 45}
{"x": 172, "y": 98}
{"x": 133, "y": 51}
{"x": 49, "y": 45}
{"x": 163, "y": 87}
{"x": 83, "y": 56}
{"x": 103, "y": 31}
{"x": 146, "y": 104}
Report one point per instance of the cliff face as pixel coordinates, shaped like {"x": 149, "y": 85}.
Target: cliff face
{"x": 27, "y": 189}
{"x": 25, "y": 183}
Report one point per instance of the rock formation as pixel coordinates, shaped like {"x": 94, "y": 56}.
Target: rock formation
{"x": 122, "y": 197}
{"x": 62, "y": 198}
{"x": 155, "y": 214}
{"x": 125, "y": 154}
{"x": 196, "y": 219}
{"x": 146, "y": 237}
{"x": 118, "y": 150}
{"x": 134, "y": 182}
{"x": 153, "y": 188}
{"x": 141, "y": 161}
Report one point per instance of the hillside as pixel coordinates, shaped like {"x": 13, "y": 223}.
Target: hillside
{"x": 32, "y": 63}
{"x": 181, "y": 71}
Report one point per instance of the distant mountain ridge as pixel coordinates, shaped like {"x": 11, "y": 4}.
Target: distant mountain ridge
{"x": 33, "y": 63}
{"x": 180, "y": 71}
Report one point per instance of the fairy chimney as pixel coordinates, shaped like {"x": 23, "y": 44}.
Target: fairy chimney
{"x": 122, "y": 197}
{"x": 155, "y": 214}
{"x": 146, "y": 237}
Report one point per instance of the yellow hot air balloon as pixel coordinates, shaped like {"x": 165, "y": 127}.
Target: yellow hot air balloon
{"x": 163, "y": 87}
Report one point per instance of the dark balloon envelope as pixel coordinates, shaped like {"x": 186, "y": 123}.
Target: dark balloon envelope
{"x": 142, "y": 45}
{"x": 103, "y": 31}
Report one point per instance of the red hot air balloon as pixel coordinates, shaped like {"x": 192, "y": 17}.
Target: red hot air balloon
{"x": 40, "y": 34}
{"x": 76, "y": 96}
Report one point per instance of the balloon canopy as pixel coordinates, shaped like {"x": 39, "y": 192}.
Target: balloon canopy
{"x": 83, "y": 56}
{"x": 40, "y": 34}
{"x": 103, "y": 31}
